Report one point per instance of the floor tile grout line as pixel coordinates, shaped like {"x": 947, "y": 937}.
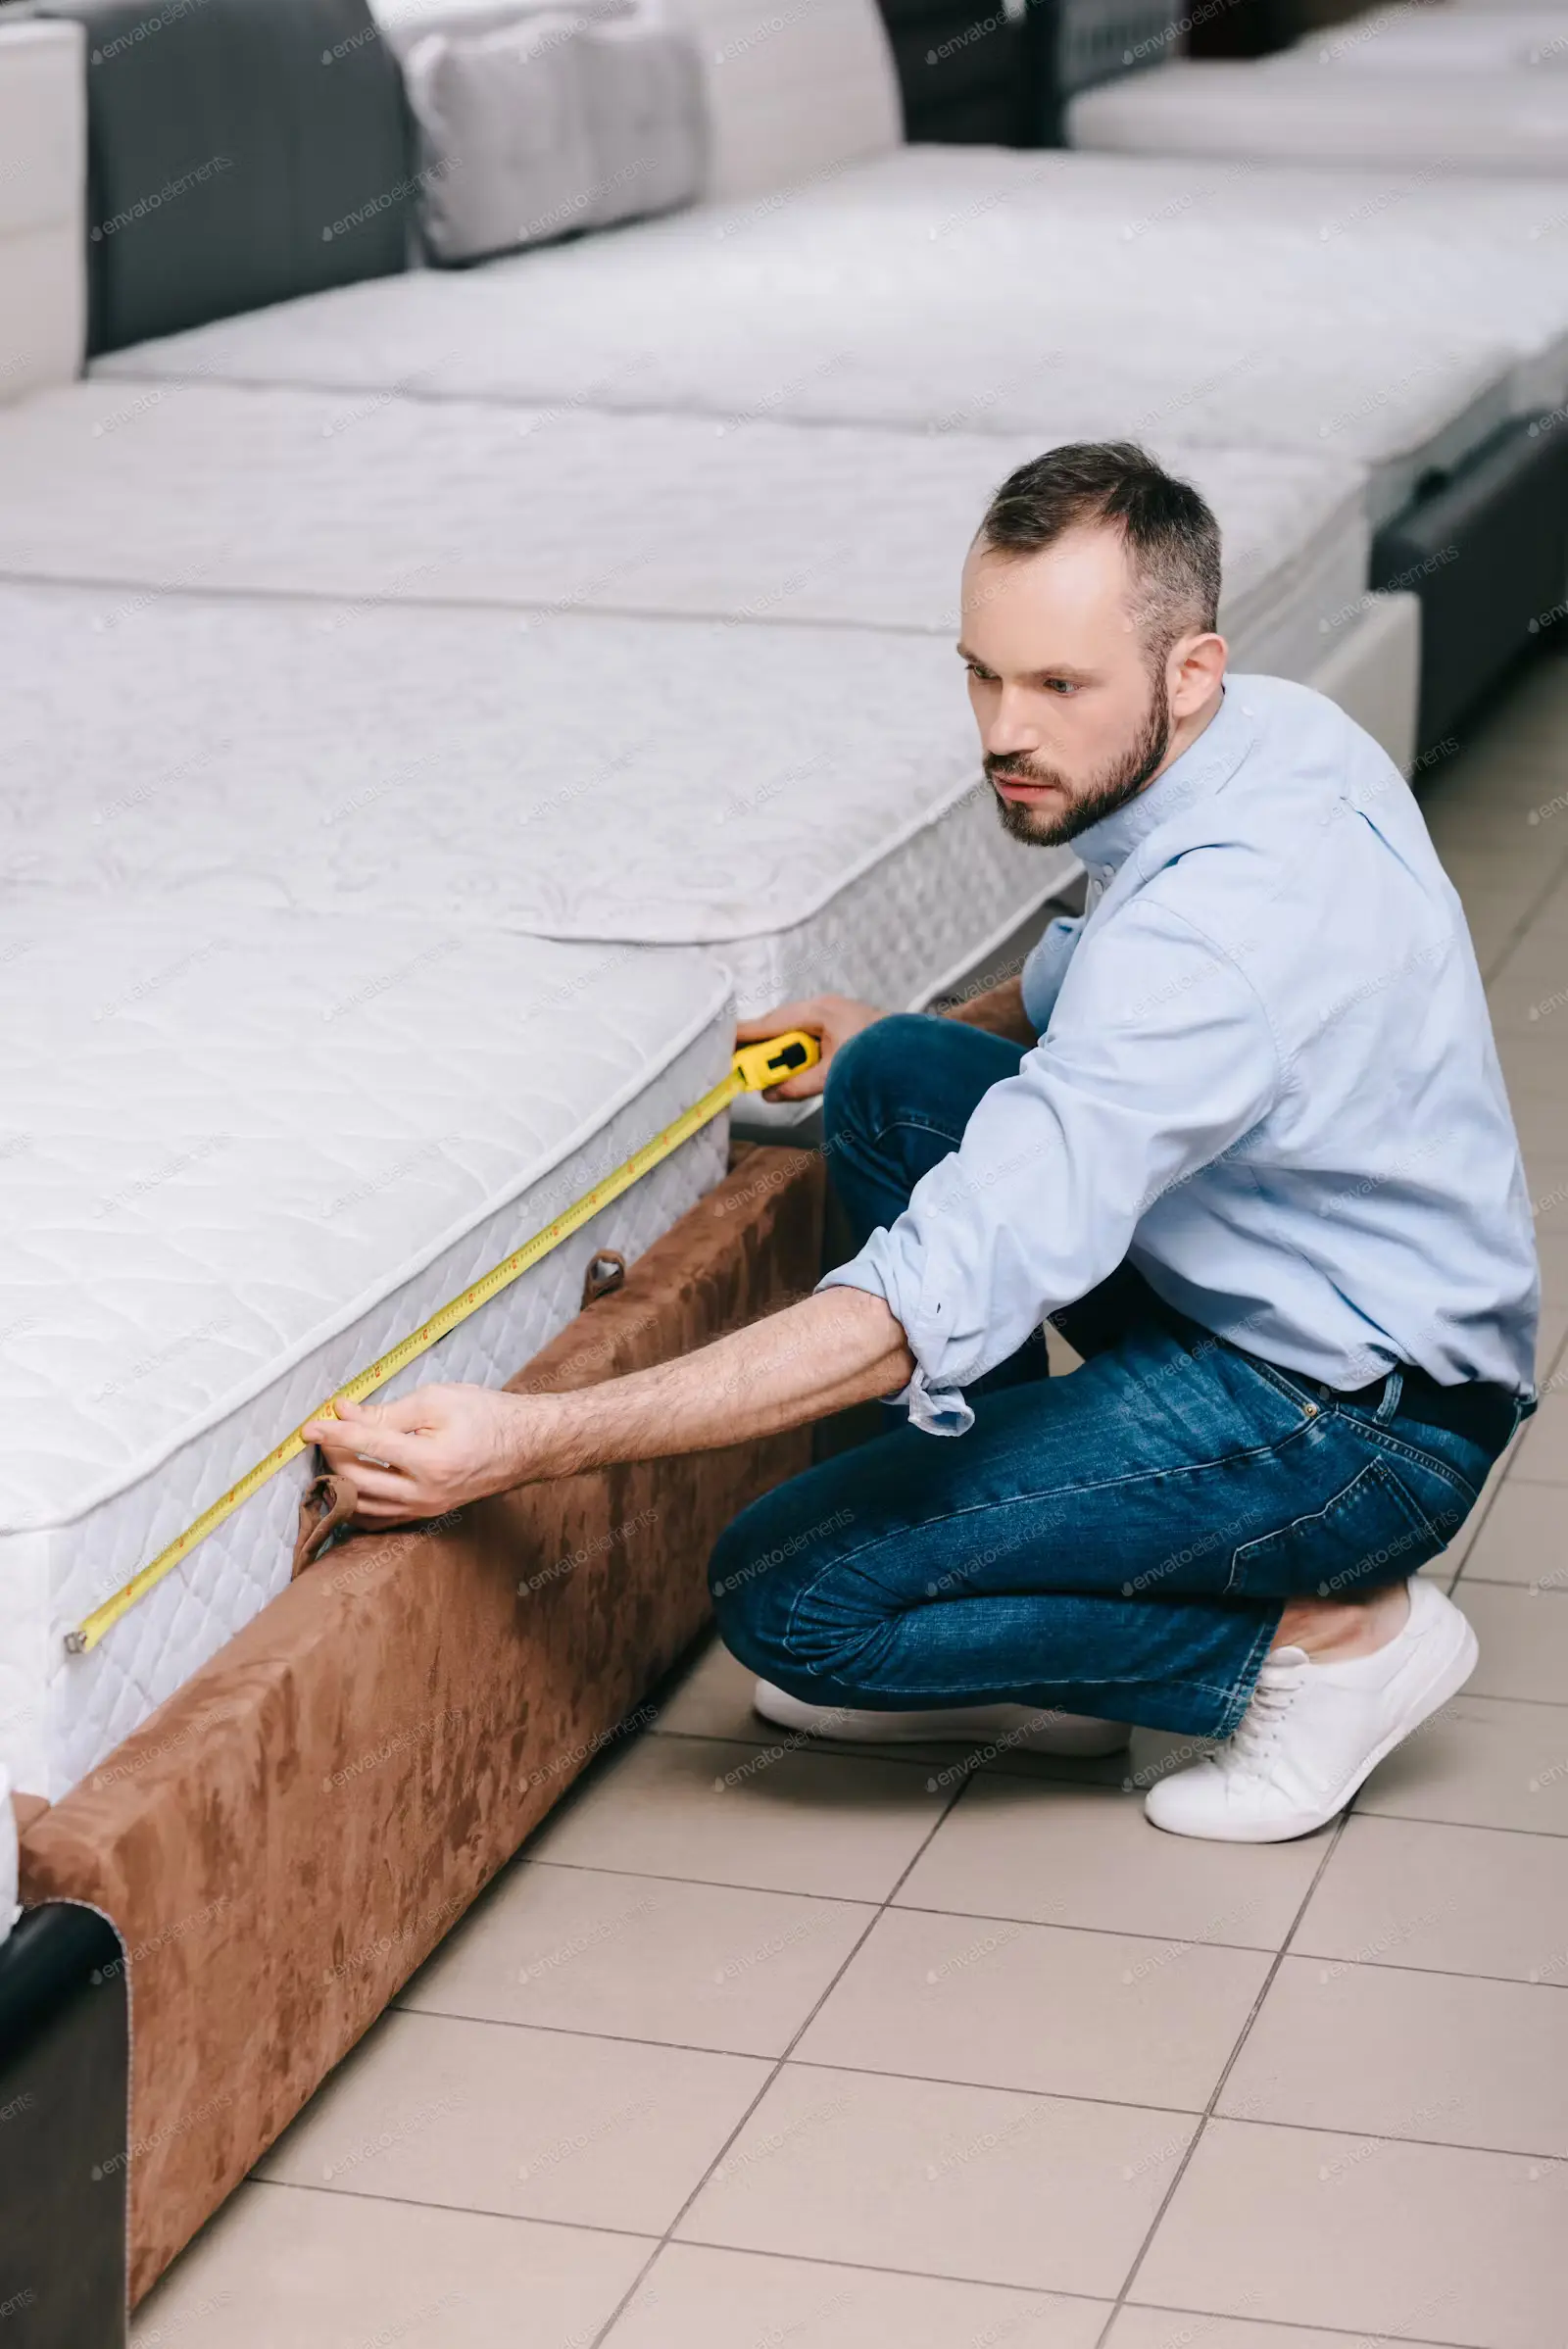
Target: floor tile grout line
{"x": 1521, "y": 929}
{"x": 1482, "y": 1827}
{"x": 806, "y": 2259}
{"x": 461, "y": 2210}
{"x": 602, "y": 2338}
{"x": 1358, "y": 2335}
{"x": 1184, "y": 1946}
{"x": 1226, "y": 2069}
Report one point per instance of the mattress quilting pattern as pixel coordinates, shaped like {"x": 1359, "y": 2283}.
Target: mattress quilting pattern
{"x": 902, "y": 308}
{"x": 225, "y": 489}
{"x": 250, "y": 1154}
{"x": 1381, "y": 249}
{"x": 627, "y": 781}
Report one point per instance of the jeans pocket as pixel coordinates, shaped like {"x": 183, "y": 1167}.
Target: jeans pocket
{"x": 1372, "y": 1531}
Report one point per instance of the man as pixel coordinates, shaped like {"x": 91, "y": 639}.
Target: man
{"x": 1258, "y": 1168}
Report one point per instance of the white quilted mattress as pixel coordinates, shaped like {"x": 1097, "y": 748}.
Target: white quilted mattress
{"x": 280, "y": 492}
{"x": 1428, "y": 39}
{"x": 249, "y": 1152}
{"x": 806, "y": 801}
{"x": 1349, "y": 254}
{"x": 905, "y": 300}
{"x": 1513, "y": 122}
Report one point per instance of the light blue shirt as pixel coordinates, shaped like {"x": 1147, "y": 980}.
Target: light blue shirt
{"x": 1266, "y": 1076}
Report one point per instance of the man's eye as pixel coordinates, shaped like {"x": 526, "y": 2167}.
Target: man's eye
{"x": 1062, "y": 685}
{"x": 976, "y": 671}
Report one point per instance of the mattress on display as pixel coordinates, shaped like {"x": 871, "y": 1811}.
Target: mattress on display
{"x": 1310, "y": 252}
{"x": 876, "y": 313}
{"x": 797, "y": 799}
{"x": 251, "y": 1152}
{"x": 221, "y": 488}
{"x": 1427, "y": 40}
{"x": 1509, "y": 122}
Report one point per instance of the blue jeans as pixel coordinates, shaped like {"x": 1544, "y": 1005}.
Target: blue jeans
{"x": 1119, "y": 1542}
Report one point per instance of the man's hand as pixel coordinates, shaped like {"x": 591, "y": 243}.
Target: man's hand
{"x": 433, "y": 1450}
{"x": 832, "y": 1018}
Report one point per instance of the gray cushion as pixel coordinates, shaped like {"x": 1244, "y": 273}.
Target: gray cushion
{"x": 552, "y": 123}
{"x": 403, "y": 22}
{"x": 647, "y": 118}
{"x": 507, "y": 156}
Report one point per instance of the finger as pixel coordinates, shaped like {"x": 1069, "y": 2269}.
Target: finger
{"x": 807, "y": 1015}
{"x": 380, "y": 1485}
{"x": 411, "y": 1414}
{"x": 380, "y": 1443}
{"x": 801, "y": 1087}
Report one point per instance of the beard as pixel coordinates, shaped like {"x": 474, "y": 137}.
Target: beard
{"x": 1117, "y": 782}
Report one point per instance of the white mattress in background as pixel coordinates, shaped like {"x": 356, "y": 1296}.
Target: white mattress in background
{"x": 882, "y": 315}
{"x": 806, "y": 801}
{"x": 43, "y": 202}
{"x": 1510, "y": 122}
{"x": 1371, "y": 666}
{"x": 245, "y": 1154}
{"x": 1428, "y": 39}
{"x": 225, "y": 489}
{"x": 1354, "y": 256}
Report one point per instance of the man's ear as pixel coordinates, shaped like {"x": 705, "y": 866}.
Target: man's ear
{"x": 1197, "y": 668}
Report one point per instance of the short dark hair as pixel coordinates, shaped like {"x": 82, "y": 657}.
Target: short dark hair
{"x": 1170, "y": 534}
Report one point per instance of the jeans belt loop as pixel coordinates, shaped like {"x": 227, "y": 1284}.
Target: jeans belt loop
{"x": 1392, "y": 1389}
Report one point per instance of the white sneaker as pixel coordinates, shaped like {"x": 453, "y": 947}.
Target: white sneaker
{"x": 1314, "y": 1732}
{"x": 1010, "y": 1725}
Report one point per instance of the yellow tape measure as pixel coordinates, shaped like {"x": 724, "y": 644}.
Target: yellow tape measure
{"x": 754, "y": 1067}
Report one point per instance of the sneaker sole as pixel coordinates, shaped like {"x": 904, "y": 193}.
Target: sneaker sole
{"x": 792, "y": 1713}
{"x": 1446, "y": 1683}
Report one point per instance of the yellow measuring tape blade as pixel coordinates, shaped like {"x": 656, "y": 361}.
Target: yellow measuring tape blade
{"x": 754, "y": 1067}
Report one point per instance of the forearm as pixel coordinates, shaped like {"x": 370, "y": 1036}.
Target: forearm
{"x": 999, "y": 1010}
{"x": 840, "y": 1348}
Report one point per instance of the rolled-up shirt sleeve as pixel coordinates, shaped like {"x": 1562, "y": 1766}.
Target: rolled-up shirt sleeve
{"x": 1044, "y": 968}
{"x": 1159, "y": 1055}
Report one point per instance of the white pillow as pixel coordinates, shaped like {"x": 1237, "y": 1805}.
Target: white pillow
{"x": 403, "y": 22}
{"x": 507, "y": 154}
{"x": 648, "y": 118}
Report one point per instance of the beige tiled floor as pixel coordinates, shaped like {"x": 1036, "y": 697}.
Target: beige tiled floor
{"x": 756, "y": 2045}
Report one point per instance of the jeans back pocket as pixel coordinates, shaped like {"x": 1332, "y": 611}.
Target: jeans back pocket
{"x": 1372, "y": 1531}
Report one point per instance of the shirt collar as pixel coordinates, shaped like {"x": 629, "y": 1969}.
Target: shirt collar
{"x": 1205, "y": 767}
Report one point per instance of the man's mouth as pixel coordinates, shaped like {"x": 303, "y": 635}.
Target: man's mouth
{"x": 1021, "y": 787}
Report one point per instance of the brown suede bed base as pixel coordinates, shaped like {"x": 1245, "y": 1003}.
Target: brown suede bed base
{"x": 289, "y": 1836}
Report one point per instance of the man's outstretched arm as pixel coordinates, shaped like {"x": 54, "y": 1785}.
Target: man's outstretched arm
{"x": 445, "y": 1446}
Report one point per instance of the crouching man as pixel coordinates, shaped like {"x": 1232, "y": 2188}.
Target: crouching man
{"x": 1239, "y": 1132}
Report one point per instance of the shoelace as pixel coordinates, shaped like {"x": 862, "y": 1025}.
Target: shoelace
{"x": 1272, "y": 1698}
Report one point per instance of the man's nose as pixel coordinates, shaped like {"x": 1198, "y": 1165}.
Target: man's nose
{"x": 1011, "y": 730}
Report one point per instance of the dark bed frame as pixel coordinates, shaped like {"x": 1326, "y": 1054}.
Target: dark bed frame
{"x": 65, "y": 2074}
